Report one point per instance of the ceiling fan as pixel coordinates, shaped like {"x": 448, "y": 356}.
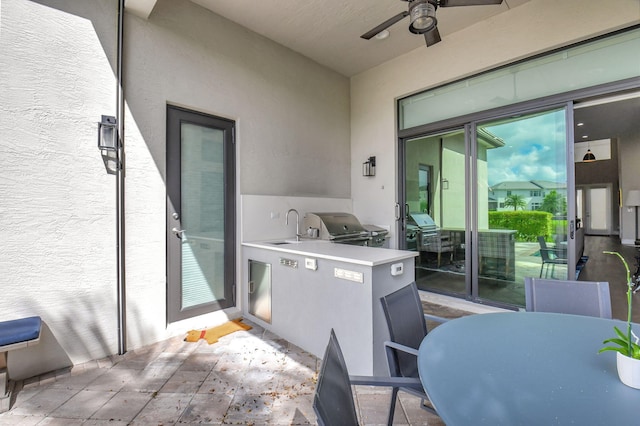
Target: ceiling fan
{"x": 423, "y": 17}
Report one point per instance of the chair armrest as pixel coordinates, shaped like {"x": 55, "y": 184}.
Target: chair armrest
{"x": 393, "y": 382}
{"x": 429, "y": 317}
{"x": 400, "y": 347}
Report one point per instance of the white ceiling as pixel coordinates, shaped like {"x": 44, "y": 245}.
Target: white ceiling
{"x": 328, "y": 31}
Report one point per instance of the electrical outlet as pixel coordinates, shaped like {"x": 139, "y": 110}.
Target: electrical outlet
{"x": 310, "y": 263}
{"x": 397, "y": 269}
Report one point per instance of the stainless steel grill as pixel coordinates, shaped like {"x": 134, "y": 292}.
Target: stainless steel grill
{"x": 377, "y": 236}
{"x": 341, "y": 228}
{"x": 419, "y": 227}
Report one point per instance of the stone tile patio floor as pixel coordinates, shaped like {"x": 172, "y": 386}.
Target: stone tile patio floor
{"x": 248, "y": 377}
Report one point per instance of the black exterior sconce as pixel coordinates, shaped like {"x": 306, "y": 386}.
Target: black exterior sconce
{"x": 369, "y": 167}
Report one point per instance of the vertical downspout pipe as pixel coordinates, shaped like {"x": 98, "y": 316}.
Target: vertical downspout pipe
{"x": 120, "y": 218}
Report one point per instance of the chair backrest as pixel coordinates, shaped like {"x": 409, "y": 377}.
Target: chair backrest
{"x": 406, "y": 323}
{"x": 542, "y": 242}
{"x": 588, "y": 298}
{"x": 333, "y": 400}
{"x": 544, "y": 250}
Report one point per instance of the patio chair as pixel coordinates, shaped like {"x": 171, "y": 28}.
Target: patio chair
{"x": 333, "y": 398}
{"x": 407, "y": 325}
{"x": 551, "y": 256}
{"x": 588, "y": 298}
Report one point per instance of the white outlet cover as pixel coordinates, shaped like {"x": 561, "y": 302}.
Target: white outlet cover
{"x": 310, "y": 263}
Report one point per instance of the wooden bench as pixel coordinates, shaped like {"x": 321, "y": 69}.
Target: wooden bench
{"x": 14, "y": 334}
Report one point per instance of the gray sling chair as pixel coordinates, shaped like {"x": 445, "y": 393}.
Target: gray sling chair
{"x": 551, "y": 256}
{"x": 589, "y": 298}
{"x": 407, "y": 327}
{"x": 333, "y": 398}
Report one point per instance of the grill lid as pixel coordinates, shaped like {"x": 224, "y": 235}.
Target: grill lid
{"x": 424, "y": 222}
{"x": 334, "y": 226}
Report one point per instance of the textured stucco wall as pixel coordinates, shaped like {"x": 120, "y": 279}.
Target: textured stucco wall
{"x": 292, "y": 131}
{"x": 534, "y": 27}
{"x": 57, "y": 250}
{"x": 57, "y": 62}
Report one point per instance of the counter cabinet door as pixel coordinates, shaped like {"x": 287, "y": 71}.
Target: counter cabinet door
{"x": 259, "y": 289}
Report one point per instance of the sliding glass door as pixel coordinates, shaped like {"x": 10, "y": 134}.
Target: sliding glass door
{"x": 521, "y": 210}
{"x": 433, "y": 214}
{"x": 486, "y": 205}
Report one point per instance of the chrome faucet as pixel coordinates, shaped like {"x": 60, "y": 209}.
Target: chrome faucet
{"x": 286, "y": 222}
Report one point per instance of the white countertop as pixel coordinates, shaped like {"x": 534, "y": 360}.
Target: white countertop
{"x": 367, "y": 256}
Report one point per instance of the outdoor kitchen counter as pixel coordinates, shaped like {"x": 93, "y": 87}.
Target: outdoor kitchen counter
{"x": 302, "y": 290}
{"x": 360, "y": 255}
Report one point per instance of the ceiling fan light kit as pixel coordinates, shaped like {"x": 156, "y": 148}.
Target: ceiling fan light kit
{"x": 382, "y": 35}
{"x": 423, "y": 18}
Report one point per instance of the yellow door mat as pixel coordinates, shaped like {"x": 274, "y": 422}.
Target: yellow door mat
{"x": 211, "y": 335}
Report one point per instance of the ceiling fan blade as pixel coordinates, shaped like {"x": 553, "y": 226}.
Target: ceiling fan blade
{"x": 386, "y": 24}
{"x": 450, "y": 3}
{"x": 432, "y": 37}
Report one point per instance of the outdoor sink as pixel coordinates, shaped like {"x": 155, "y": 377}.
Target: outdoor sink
{"x": 280, "y": 243}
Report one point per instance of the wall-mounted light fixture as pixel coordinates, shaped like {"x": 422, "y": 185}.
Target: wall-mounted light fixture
{"x": 369, "y": 167}
{"x": 108, "y": 133}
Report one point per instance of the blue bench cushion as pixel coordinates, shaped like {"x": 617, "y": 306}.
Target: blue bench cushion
{"x": 20, "y": 330}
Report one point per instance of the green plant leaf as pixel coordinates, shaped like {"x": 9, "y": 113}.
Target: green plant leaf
{"x": 620, "y": 333}
{"x": 622, "y": 350}
{"x": 621, "y": 342}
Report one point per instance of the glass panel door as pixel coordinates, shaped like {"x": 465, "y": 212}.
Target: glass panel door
{"x": 433, "y": 211}
{"x": 596, "y": 208}
{"x": 521, "y": 227}
{"x": 200, "y": 231}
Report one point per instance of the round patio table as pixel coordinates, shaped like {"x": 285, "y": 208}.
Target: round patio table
{"x": 526, "y": 368}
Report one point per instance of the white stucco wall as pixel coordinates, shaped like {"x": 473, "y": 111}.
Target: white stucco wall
{"x": 534, "y": 27}
{"x": 57, "y": 62}
{"x": 57, "y": 250}
{"x": 292, "y": 132}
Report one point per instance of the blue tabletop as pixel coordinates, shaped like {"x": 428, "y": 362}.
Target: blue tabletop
{"x": 525, "y": 368}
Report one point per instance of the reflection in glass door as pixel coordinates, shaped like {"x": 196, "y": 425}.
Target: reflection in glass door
{"x": 521, "y": 203}
{"x": 433, "y": 212}
{"x": 200, "y": 225}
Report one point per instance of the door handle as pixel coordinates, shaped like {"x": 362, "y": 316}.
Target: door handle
{"x": 572, "y": 229}
{"x": 178, "y": 232}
